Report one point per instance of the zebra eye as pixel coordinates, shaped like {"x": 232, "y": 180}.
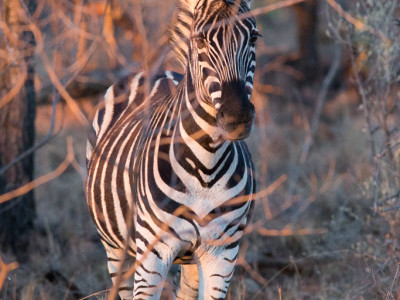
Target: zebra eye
{"x": 201, "y": 40}
{"x": 254, "y": 37}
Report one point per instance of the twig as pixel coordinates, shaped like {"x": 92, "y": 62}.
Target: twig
{"x": 52, "y": 74}
{"x": 66, "y": 82}
{"x": 5, "y": 269}
{"x": 7, "y": 68}
{"x": 320, "y": 103}
{"x": 145, "y": 47}
{"x": 291, "y": 232}
{"x": 95, "y": 294}
{"x": 377, "y": 181}
{"x": 390, "y": 208}
{"x": 279, "y": 291}
{"x": 263, "y": 193}
{"x": 363, "y": 96}
{"x": 275, "y": 6}
{"x": 63, "y": 92}
{"x": 261, "y": 10}
{"x": 395, "y": 278}
{"x": 38, "y": 145}
{"x": 43, "y": 179}
{"x": 359, "y": 25}
{"x": 256, "y": 276}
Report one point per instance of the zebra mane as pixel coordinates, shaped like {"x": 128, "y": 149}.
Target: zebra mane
{"x": 179, "y": 31}
{"x": 180, "y": 27}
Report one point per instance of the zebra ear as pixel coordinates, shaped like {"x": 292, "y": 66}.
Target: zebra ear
{"x": 230, "y": 2}
{"x": 248, "y": 2}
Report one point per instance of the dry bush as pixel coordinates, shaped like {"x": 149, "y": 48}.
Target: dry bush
{"x": 373, "y": 41}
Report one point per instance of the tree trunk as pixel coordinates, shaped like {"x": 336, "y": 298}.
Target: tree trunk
{"x": 17, "y": 131}
{"x": 307, "y": 29}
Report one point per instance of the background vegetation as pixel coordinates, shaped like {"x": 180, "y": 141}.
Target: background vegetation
{"x": 326, "y": 145}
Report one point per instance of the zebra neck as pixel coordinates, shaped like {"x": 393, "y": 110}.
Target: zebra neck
{"x": 197, "y": 146}
{"x": 197, "y": 121}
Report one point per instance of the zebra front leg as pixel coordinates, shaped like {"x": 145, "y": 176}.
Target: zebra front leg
{"x": 118, "y": 263}
{"x": 150, "y": 274}
{"x": 215, "y": 272}
{"x": 188, "y": 285}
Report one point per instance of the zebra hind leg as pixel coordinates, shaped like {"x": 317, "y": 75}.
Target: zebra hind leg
{"x": 118, "y": 263}
{"x": 187, "y": 282}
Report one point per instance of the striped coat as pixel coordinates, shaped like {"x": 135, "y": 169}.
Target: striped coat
{"x": 169, "y": 178}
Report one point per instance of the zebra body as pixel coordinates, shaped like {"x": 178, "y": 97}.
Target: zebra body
{"x": 169, "y": 180}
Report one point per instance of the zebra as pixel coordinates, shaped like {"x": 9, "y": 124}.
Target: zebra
{"x": 170, "y": 179}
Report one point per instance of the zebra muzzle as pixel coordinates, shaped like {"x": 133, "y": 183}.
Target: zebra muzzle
{"x": 236, "y": 124}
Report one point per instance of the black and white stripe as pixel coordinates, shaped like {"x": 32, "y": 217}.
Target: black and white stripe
{"x": 169, "y": 179}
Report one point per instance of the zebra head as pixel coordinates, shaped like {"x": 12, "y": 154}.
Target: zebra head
{"x": 220, "y": 56}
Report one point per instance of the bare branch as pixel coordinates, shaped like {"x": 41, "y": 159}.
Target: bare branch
{"x": 43, "y": 179}
{"x": 38, "y": 145}
{"x": 272, "y": 7}
{"x": 359, "y": 25}
{"x": 320, "y": 103}
{"x": 5, "y": 269}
